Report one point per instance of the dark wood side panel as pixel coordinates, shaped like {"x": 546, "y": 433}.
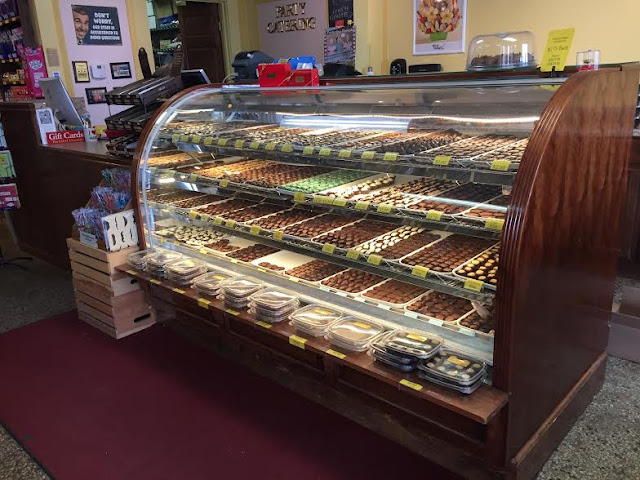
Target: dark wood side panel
{"x": 560, "y": 246}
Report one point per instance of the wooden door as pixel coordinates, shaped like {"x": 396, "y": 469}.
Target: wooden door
{"x": 200, "y": 29}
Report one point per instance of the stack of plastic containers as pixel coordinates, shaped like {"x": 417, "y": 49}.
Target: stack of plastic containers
{"x": 209, "y": 283}
{"x": 235, "y": 292}
{"x": 404, "y": 350}
{"x": 138, "y": 259}
{"x": 453, "y": 370}
{"x": 156, "y": 263}
{"x": 352, "y": 333}
{"x": 314, "y": 319}
{"x": 184, "y": 270}
{"x": 272, "y": 305}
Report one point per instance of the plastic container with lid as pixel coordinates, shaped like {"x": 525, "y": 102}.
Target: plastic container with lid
{"x": 353, "y": 333}
{"x": 403, "y": 364}
{"x": 160, "y": 259}
{"x": 209, "y": 283}
{"x": 458, "y": 388}
{"x": 419, "y": 345}
{"x": 273, "y": 299}
{"x": 502, "y": 51}
{"x": 186, "y": 267}
{"x": 137, "y": 259}
{"x": 454, "y": 368}
{"x": 315, "y": 319}
{"x": 240, "y": 287}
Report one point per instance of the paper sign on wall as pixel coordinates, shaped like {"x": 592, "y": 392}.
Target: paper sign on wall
{"x": 557, "y": 50}
{"x": 96, "y": 25}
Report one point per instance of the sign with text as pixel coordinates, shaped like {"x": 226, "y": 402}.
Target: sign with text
{"x": 9, "y": 197}
{"x": 68, "y": 136}
{"x": 340, "y": 13}
{"x": 557, "y": 50}
{"x": 95, "y": 25}
{"x": 291, "y": 29}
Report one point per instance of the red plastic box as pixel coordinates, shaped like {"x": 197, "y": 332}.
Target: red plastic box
{"x": 305, "y": 78}
{"x": 274, "y": 74}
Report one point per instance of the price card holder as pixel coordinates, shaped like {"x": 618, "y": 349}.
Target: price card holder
{"x": 473, "y": 284}
{"x": 204, "y": 217}
{"x": 196, "y": 139}
{"x": 218, "y": 221}
{"x": 420, "y": 271}
{"x": 297, "y": 341}
{"x": 184, "y": 138}
{"x": 557, "y": 50}
{"x": 224, "y": 183}
{"x": 278, "y": 235}
{"x": 325, "y": 151}
{"x": 411, "y": 314}
{"x": 390, "y": 156}
{"x": 193, "y": 215}
{"x": 353, "y": 254}
{"x": 203, "y": 251}
{"x": 412, "y": 385}
{"x": 335, "y": 353}
{"x": 230, "y": 223}
{"x": 374, "y": 259}
{"x": 132, "y": 272}
{"x": 344, "y": 153}
{"x": 264, "y": 324}
{"x": 360, "y": 205}
{"x": 193, "y": 177}
{"x": 204, "y": 303}
{"x": 155, "y": 282}
{"x": 270, "y": 146}
{"x": 255, "y": 230}
{"x": 500, "y": 165}
{"x": 436, "y": 322}
{"x": 494, "y": 224}
{"x": 287, "y": 147}
{"x": 329, "y": 248}
{"x": 178, "y": 290}
{"x": 384, "y": 208}
{"x": 223, "y": 141}
{"x": 434, "y": 215}
{"x": 340, "y": 202}
{"x": 239, "y": 144}
{"x": 299, "y": 197}
{"x": 467, "y": 331}
{"x": 175, "y": 138}
{"x": 254, "y": 145}
{"x": 442, "y": 160}
{"x": 368, "y": 155}
{"x": 322, "y": 200}
{"x": 208, "y": 140}
{"x": 307, "y": 150}
{"x": 232, "y": 312}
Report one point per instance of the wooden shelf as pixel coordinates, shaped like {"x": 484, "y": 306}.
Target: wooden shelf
{"x": 480, "y": 406}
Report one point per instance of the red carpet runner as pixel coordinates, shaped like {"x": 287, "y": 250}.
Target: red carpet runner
{"x": 154, "y": 406}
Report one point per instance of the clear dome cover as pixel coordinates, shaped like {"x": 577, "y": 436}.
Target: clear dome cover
{"x": 502, "y": 51}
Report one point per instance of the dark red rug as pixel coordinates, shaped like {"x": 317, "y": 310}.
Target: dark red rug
{"x": 155, "y": 406}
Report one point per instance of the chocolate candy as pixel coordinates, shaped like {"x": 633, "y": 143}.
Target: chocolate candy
{"x": 485, "y": 210}
{"x": 176, "y": 196}
{"x": 403, "y": 195}
{"x": 441, "y": 306}
{"x": 355, "y": 234}
{"x": 363, "y": 188}
{"x": 282, "y": 219}
{"x": 353, "y": 281}
{"x": 373, "y": 142}
{"x": 271, "y": 266}
{"x": 399, "y": 243}
{"x": 315, "y": 270}
{"x": 317, "y": 225}
{"x": 226, "y": 206}
{"x": 326, "y": 181}
{"x": 190, "y": 234}
{"x": 395, "y": 291}
{"x": 170, "y": 161}
{"x": 254, "y": 212}
{"x": 276, "y": 175}
{"x": 512, "y": 153}
{"x": 484, "y": 267}
{"x": 198, "y": 201}
{"x": 475, "y": 322}
{"x": 227, "y": 170}
{"x": 249, "y": 254}
{"x": 223, "y": 245}
{"x": 206, "y": 128}
{"x": 447, "y": 254}
{"x": 464, "y": 194}
{"x": 421, "y": 143}
{"x": 473, "y": 146}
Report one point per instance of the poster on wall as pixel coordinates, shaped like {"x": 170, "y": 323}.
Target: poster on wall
{"x": 439, "y": 26}
{"x": 340, "y": 13}
{"x": 95, "y": 25}
{"x": 340, "y": 45}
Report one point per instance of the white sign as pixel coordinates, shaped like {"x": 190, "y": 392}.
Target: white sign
{"x": 439, "y": 26}
{"x": 292, "y": 29}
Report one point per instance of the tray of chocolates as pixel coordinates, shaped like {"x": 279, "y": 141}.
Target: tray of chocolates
{"x": 175, "y": 197}
{"x": 254, "y": 212}
{"x": 321, "y": 138}
{"x": 357, "y": 188}
{"x": 352, "y": 281}
{"x": 355, "y": 234}
{"x": 282, "y": 219}
{"x": 199, "y": 201}
{"x": 190, "y": 235}
{"x": 325, "y": 181}
{"x": 228, "y": 244}
{"x": 399, "y": 243}
{"x": 315, "y": 271}
{"x": 227, "y": 170}
{"x": 170, "y": 160}
{"x": 421, "y": 142}
{"x": 512, "y": 153}
{"x": 440, "y": 306}
{"x": 276, "y": 175}
{"x": 318, "y": 225}
{"x": 253, "y": 252}
{"x": 447, "y": 254}
{"x": 496, "y": 208}
{"x": 372, "y": 142}
{"x": 483, "y": 267}
{"x": 459, "y": 199}
{"x": 281, "y": 261}
{"x": 405, "y": 194}
{"x": 208, "y": 129}
{"x": 267, "y": 135}
{"x": 394, "y": 293}
{"x": 472, "y": 147}
{"x": 227, "y": 206}
{"x": 482, "y": 320}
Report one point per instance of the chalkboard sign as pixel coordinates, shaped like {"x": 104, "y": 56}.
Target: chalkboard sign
{"x": 340, "y": 13}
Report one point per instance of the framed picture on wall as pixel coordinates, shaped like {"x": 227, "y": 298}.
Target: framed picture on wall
{"x": 81, "y": 72}
{"x": 120, "y": 70}
{"x": 96, "y": 95}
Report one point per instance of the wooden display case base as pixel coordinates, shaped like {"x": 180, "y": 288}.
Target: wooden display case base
{"x": 465, "y": 434}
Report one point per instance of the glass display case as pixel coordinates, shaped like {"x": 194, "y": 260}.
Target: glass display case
{"x": 419, "y": 236}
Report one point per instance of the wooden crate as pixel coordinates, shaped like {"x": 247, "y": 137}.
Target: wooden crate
{"x": 107, "y": 299}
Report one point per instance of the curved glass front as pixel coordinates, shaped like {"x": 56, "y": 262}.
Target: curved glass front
{"x": 386, "y": 202}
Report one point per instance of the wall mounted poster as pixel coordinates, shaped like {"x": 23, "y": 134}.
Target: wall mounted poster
{"x": 96, "y": 25}
{"x": 340, "y": 13}
{"x": 439, "y": 26}
{"x": 340, "y": 45}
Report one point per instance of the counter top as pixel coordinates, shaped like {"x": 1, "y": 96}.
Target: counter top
{"x": 95, "y": 150}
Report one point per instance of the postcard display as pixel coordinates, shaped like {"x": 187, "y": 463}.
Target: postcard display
{"x": 444, "y": 249}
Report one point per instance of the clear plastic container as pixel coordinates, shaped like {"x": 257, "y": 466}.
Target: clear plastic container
{"x": 418, "y": 345}
{"x": 160, "y": 259}
{"x": 502, "y": 51}
{"x": 209, "y": 283}
{"x": 137, "y": 259}
{"x": 454, "y": 368}
{"x": 468, "y": 389}
{"x": 186, "y": 267}
{"x": 240, "y": 287}
{"x": 315, "y": 319}
{"x": 274, "y": 300}
{"x": 353, "y": 332}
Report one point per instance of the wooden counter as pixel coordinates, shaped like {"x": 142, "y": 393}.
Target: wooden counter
{"x": 52, "y": 181}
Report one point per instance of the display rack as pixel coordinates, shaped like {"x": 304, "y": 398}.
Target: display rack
{"x": 525, "y": 167}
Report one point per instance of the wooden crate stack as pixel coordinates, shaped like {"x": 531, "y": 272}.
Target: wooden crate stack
{"x": 107, "y": 299}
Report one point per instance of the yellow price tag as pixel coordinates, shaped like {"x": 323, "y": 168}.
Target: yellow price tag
{"x": 255, "y": 230}
{"x": 132, "y": 272}
{"x": 434, "y": 215}
{"x": 416, "y": 337}
{"x": 218, "y": 221}
{"x": 177, "y": 290}
{"x": 344, "y": 153}
{"x": 223, "y": 141}
{"x": 353, "y": 254}
{"x": 270, "y": 146}
{"x": 307, "y": 150}
{"x": 287, "y": 147}
{"x": 329, "y": 248}
{"x": 500, "y": 165}
{"x": 322, "y": 200}
{"x": 203, "y": 251}
{"x": 204, "y": 303}
{"x": 368, "y": 155}
{"x": 390, "y": 156}
{"x": 297, "y": 341}
{"x": 239, "y": 143}
{"x": 254, "y": 145}
{"x": 156, "y": 282}
{"x": 196, "y": 139}
{"x": 494, "y": 224}
{"x": 473, "y": 284}
{"x": 336, "y": 354}
{"x": 193, "y": 214}
{"x": 230, "y": 223}
{"x": 360, "y": 205}
{"x": 340, "y": 202}
{"x": 299, "y": 197}
{"x": 325, "y": 151}
{"x": 208, "y": 140}
{"x": 414, "y": 386}
{"x": 224, "y": 182}
{"x": 420, "y": 271}
{"x": 374, "y": 259}
{"x": 175, "y": 138}
{"x": 278, "y": 235}
{"x": 184, "y": 138}
{"x": 442, "y": 160}
{"x": 204, "y": 217}
{"x": 557, "y": 50}
{"x": 384, "y": 208}
{"x": 193, "y": 177}
{"x": 232, "y": 312}
{"x": 264, "y": 324}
